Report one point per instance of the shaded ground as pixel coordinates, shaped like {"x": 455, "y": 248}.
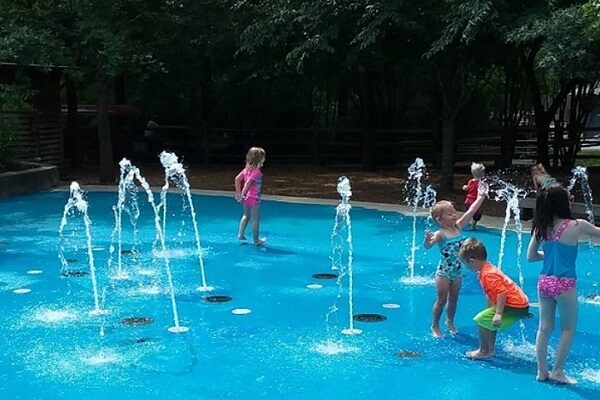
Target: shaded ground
{"x": 316, "y": 182}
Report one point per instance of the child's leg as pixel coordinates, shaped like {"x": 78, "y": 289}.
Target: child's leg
{"x": 476, "y": 218}
{"x": 489, "y": 342}
{"x": 453, "y": 292}
{"x": 243, "y": 223}
{"x": 442, "y": 286}
{"x": 545, "y": 328}
{"x": 567, "y": 308}
{"x": 487, "y": 345}
{"x": 255, "y": 213}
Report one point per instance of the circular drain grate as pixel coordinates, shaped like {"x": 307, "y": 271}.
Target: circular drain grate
{"x": 408, "y": 354}
{"x": 325, "y": 275}
{"x": 74, "y": 273}
{"x": 369, "y": 317}
{"x": 137, "y": 321}
{"x": 217, "y": 299}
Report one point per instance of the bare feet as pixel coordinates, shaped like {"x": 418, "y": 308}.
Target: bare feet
{"x": 451, "y": 327}
{"x": 562, "y": 379}
{"x": 241, "y": 237}
{"x": 542, "y": 376}
{"x": 479, "y": 355}
{"x": 260, "y": 241}
{"x": 436, "y": 332}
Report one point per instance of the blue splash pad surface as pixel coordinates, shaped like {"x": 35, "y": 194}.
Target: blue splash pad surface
{"x": 51, "y": 348}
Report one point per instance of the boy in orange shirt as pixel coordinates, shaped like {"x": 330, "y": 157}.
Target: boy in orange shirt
{"x": 506, "y": 301}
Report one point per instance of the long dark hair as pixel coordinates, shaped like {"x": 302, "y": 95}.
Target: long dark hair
{"x": 550, "y": 203}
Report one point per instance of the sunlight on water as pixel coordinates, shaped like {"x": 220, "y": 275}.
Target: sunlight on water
{"x": 592, "y": 375}
{"x": 54, "y": 316}
{"x": 591, "y": 300}
{"x": 146, "y": 272}
{"x": 103, "y": 357}
{"x": 172, "y": 254}
{"x": 524, "y": 351}
{"x": 249, "y": 265}
{"x": 418, "y": 280}
{"x": 331, "y": 348}
{"x": 147, "y": 290}
{"x": 14, "y": 281}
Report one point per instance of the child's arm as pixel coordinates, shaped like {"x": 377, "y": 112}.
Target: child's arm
{"x": 588, "y": 229}
{"x": 500, "y": 302}
{"x": 238, "y": 186}
{"x": 431, "y": 238}
{"x": 247, "y": 185}
{"x": 466, "y": 217}
{"x": 533, "y": 252}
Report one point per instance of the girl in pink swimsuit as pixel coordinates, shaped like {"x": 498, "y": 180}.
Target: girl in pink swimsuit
{"x": 248, "y": 185}
{"x": 557, "y": 233}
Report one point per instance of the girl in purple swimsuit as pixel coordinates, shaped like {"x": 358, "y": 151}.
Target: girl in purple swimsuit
{"x": 248, "y": 185}
{"x": 557, "y": 233}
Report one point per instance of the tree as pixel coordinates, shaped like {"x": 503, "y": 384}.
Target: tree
{"x": 560, "y": 52}
{"x": 459, "y": 63}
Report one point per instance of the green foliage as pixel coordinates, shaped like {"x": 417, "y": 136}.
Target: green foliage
{"x": 268, "y": 63}
{"x": 568, "y": 40}
{"x": 463, "y": 22}
{"x": 13, "y": 98}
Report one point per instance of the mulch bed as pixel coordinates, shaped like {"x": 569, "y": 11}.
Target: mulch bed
{"x": 384, "y": 186}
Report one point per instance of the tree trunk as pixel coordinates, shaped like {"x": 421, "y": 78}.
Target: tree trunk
{"x": 542, "y": 116}
{"x": 73, "y": 143}
{"x": 105, "y": 150}
{"x": 542, "y": 124}
{"x": 120, "y": 90}
{"x": 368, "y": 156}
{"x": 448, "y": 133}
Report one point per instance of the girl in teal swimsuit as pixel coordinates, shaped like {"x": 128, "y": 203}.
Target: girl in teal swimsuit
{"x": 449, "y": 237}
{"x": 554, "y": 239}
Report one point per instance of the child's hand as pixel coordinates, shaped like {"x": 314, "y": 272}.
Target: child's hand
{"x": 497, "y": 320}
{"x": 465, "y": 187}
{"x": 428, "y": 237}
{"x": 238, "y": 197}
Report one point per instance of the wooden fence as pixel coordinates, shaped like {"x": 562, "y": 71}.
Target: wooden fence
{"x": 291, "y": 146}
{"x": 37, "y": 137}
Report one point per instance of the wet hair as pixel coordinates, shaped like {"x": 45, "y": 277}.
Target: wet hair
{"x": 549, "y": 204}
{"x": 255, "y": 156}
{"x": 477, "y": 170}
{"x": 438, "y": 208}
{"x": 472, "y": 248}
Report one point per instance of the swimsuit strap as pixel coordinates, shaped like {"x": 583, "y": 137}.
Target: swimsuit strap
{"x": 561, "y": 229}
{"x": 455, "y": 237}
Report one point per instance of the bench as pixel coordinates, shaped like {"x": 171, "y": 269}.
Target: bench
{"x": 527, "y": 205}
